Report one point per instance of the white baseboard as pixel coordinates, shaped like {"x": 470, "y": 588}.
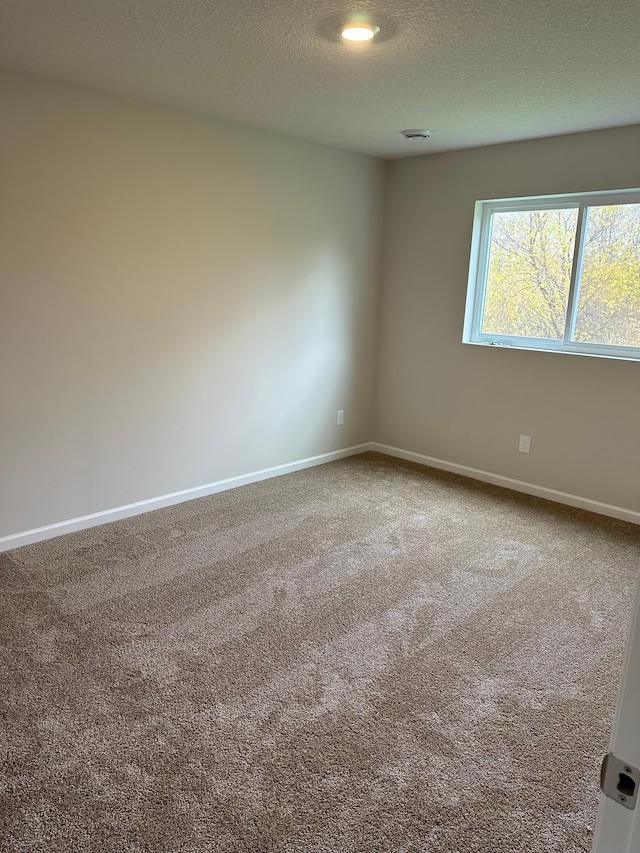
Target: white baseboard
{"x": 509, "y": 483}
{"x": 60, "y": 528}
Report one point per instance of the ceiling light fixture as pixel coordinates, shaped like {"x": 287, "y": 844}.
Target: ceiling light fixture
{"x": 359, "y": 31}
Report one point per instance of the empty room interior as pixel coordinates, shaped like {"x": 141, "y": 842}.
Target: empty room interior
{"x": 319, "y": 426}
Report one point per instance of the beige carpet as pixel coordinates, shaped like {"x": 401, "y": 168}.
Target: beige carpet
{"x": 366, "y": 656}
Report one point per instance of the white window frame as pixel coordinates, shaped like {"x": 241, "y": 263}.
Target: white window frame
{"x": 479, "y": 264}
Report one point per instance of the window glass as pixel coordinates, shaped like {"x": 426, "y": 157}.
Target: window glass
{"x": 609, "y": 301}
{"x": 529, "y": 272}
{"x": 558, "y": 273}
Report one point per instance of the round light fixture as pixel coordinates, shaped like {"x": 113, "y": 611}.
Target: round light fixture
{"x": 359, "y": 31}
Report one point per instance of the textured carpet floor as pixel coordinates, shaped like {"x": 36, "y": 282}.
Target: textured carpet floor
{"x": 366, "y": 656}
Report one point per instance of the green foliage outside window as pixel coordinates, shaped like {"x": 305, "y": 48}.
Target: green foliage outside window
{"x": 532, "y": 253}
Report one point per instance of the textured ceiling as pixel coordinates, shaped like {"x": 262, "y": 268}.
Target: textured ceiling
{"x": 472, "y": 71}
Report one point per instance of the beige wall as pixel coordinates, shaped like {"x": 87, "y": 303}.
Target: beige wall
{"x": 181, "y": 301}
{"x": 468, "y": 404}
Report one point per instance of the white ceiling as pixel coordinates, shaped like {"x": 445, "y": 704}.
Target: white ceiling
{"x": 472, "y": 71}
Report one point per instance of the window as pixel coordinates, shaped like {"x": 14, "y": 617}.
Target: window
{"x": 558, "y": 273}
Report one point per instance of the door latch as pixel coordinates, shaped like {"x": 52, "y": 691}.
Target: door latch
{"x": 620, "y": 781}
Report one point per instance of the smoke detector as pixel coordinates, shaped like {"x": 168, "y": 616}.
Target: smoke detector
{"x": 416, "y": 133}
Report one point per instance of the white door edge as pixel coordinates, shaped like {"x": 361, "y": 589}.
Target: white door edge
{"x": 618, "y": 828}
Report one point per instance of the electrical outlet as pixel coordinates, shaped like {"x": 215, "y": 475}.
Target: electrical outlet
{"x": 340, "y": 417}
{"x": 525, "y": 444}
